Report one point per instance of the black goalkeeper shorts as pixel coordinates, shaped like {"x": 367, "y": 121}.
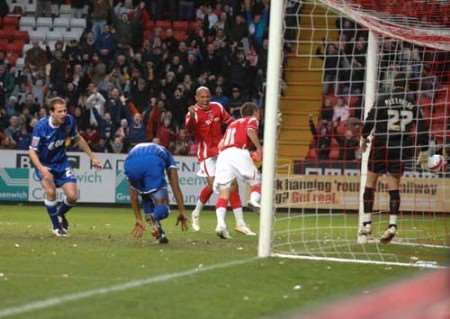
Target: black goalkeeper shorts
{"x": 383, "y": 160}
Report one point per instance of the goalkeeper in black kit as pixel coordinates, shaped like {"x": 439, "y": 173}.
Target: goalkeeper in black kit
{"x": 390, "y": 122}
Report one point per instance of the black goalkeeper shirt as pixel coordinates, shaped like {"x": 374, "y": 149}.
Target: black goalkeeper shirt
{"x": 392, "y": 118}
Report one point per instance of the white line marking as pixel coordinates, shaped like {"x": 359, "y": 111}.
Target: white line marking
{"x": 51, "y": 302}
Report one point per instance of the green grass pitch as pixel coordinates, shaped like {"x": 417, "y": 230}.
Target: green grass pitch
{"x": 100, "y": 253}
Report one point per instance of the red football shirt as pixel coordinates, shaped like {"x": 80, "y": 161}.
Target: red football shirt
{"x": 236, "y": 133}
{"x": 206, "y": 126}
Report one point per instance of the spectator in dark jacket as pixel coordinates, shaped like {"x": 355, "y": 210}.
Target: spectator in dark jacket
{"x": 235, "y": 103}
{"x": 322, "y": 139}
{"x": 136, "y": 133}
{"x": 58, "y": 73}
{"x": 105, "y": 44}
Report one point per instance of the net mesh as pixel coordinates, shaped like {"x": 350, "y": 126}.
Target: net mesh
{"x": 317, "y": 202}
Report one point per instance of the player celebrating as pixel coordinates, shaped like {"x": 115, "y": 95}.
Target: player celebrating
{"x": 234, "y": 162}
{"x": 144, "y": 167}
{"x": 390, "y": 121}
{"x": 48, "y": 154}
{"x": 205, "y": 120}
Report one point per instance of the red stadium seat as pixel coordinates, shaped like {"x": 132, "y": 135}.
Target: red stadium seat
{"x": 180, "y": 26}
{"x": 147, "y": 34}
{"x": 4, "y": 34}
{"x": 334, "y": 150}
{"x": 10, "y": 22}
{"x": 312, "y": 154}
{"x": 180, "y": 35}
{"x": 22, "y": 36}
{"x": 149, "y": 25}
{"x": 164, "y": 24}
{"x": 11, "y": 58}
{"x": 15, "y": 47}
{"x": 3, "y": 46}
{"x": 195, "y": 25}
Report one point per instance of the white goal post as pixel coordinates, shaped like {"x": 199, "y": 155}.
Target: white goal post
{"x": 294, "y": 224}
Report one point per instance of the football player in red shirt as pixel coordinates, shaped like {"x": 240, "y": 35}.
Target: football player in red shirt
{"x": 235, "y": 162}
{"x": 205, "y": 120}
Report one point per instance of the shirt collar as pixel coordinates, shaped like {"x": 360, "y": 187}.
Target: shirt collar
{"x": 50, "y": 122}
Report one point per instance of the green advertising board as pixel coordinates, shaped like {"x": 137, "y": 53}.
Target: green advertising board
{"x": 14, "y": 184}
{"x": 121, "y": 188}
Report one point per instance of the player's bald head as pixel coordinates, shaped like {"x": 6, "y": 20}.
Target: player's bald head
{"x": 202, "y": 96}
{"x": 201, "y": 89}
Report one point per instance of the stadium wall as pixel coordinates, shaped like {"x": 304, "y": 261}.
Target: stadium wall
{"x": 18, "y": 181}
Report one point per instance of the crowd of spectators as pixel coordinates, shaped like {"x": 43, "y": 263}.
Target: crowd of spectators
{"x": 337, "y": 130}
{"x": 125, "y": 84}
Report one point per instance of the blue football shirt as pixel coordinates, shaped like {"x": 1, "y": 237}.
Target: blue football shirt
{"x": 49, "y": 140}
{"x": 145, "y": 166}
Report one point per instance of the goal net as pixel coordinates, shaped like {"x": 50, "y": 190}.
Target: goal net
{"x": 360, "y": 54}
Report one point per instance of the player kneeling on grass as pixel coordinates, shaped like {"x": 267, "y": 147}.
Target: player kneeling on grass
{"x": 47, "y": 151}
{"x": 144, "y": 167}
{"x": 235, "y": 162}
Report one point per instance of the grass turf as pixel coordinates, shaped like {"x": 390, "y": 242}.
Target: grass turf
{"x": 100, "y": 252}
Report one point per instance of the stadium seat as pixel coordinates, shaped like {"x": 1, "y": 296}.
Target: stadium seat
{"x": 10, "y": 22}
{"x": 312, "y": 154}
{"x": 4, "y": 35}
{"x": 37, "y": 35}
{"x": 44, "y": 30}
{"x": 3, "y": 46}
{"x": 78, "y": 23}
{"x": 73, "y": 34}
{"x": 147, "y": 34}
{"x": 61, "y": 22}
{"x": 180, "y": 35}
{"x": 21, "y": 36}
{"x": 54, "y": 35}
{"x": 149, "y": 25}
{"x": 15, "y": 47}
{"x": 180, "y": 26}
{"x": 27, "y": 22}
{"x": 27, "y": 29}
{"x": 334, "y": 150}
{"x": 163, "y": 24}
{"x": 30, "y": 6}
{"x": 195, "y": 25}
{"x": 44, "y": 22}
{"x": 65, "y": 10}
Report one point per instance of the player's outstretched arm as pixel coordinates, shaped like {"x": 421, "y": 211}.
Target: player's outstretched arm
{"x": 81, "y": 142}
{"x": 139, "y": 225}
{"x": 173, "y": 180}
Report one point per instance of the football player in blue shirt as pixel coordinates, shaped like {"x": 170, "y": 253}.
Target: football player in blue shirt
{"x": 145, "y": 166}
{"x": 48, "y": 154}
